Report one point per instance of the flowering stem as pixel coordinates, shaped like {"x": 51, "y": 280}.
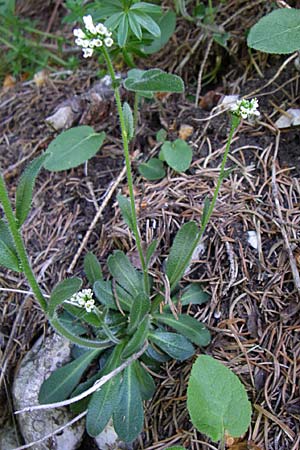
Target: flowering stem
{"x": 128, "y": 167}
{"x": 19, "y": 244}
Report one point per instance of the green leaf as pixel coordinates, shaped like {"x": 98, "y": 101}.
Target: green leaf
{"x": 277, "y": 32}
{"x": 135, "y": 75}
{"x": 188, "y": 326}
{"x": 82, "y": 405}
{"x": 161, "y": 135}
{"x": 152, "y": 170}
{"x": 128, "y": 119}
{"x": 194, "y": 295}
{"x": 205, "y": 210}
{"x": 156, "y": 355}
{"x": 177, "y": 447}
{"x": 146, "y": 383}
{"x": 104, "y": 293}
{"x": 139, "y": 308}
{"x": 124, "y": 273}
{"x": 124, "y": 205}
{"x": 134, "y": 25}
{"x": 150, "y": 251}
{"x": 181, "y": 252}
{"x": 25, "y": 188}
{"x": 167, "y": 24}
{"x": 71, "y": 324}
{"x": 155, "y": 80}
{"x": 129, "y": 417}
{"x": 62, "y": 382}
{"x": 146, "y": 8}
{"x": 113, "y": 21}
{"x": 72, "y": 148}
{"x": 138, "y": 339}
{"x": 63, "y": 291}
{"x": 92, "y": 268}
{"x": 123, "y": 31}
{"x": 8, "y": 253}
{"x": 178, "y": 154}
{"x": 147, "y": 22}
{"x": 175, "y": 345}
{"x": 81, "y": 314}
{"x": 217, "y": 401}
{"x": 106, "y": 399}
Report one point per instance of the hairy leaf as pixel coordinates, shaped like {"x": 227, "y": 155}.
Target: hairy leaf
{"x": 175, "y": 345}
{"x": 63, "y": 291}
{"x": 8, "y": 253}
{"x": 92, "y": 268}
{"x": 155, "y": 80}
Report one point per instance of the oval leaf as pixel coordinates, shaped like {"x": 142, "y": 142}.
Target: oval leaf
{"x": 139, "y": 308}
{"x": 167, "y": 24}
{"x": 178, "y": 154}
{"x": 129, "y": 417}
{"x": 217, "y": 401}
{"x": 155, "y": 80}
{"x": 188, "y": 326}
{"x": 124, "y": 273}
{"x": 92, "y": 268}
{"x": 25, "y": 188}
{"x": 181, "y": 252}
{"x": 128, "y": 119}
{"x": 278, "y": 32}
{"x": 175, "y": 345}
{"x": 194, "y": 295}
{"x": 124, "y": 205}
{"x": 152, "y": 170}
{"x": 63, "y": 381}
{"x": 72, "y": 148}
{"x": 63, "y": 291}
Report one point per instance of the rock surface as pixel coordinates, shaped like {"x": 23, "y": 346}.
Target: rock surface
{"x": 8, "y": 438}
{"x": 45, "y": 356}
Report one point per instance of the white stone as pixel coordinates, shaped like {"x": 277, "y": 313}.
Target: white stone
{"x": 252, "y": 239}
{"x": 45, "y": 356}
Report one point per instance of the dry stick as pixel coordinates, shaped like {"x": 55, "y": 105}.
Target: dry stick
{"x": 199, "y": 85}
{"x": 50, "y": 435}
{"x": 92, "y": 389}
{"x": 96, "y": 218}
{"x": 286, "y": 62}
{"x": 279, "y": 213}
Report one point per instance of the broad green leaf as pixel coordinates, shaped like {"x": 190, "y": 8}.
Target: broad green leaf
{"x": 147, "y": 22}
{"x": 155, "y": 80}
{"x": 82, "y": 405}
{"x": 139, "y": 308}
{"x": 167, "y": 24}
{"x": 181, "y": 252}
{"x": 188, "y": 326}
{"x": 145, "y": 380}
{"x": 175, "y": 345}
{"x": 146, "y": 8}
{"x": 71, "y": 324}
{"x": 25, "y": 188}
{"x": 123, "y": 31}
{"x": 72, "y": 148}
{"x": 124, "y": 273}
{"x": 178, "y": 154}
{"x": 156, "y": 354}
{"x": 63, "y": 381}
{"x": 161, "y": 135}
{"x": 128, "y": 119}
{"x": 8, "y": 253}
{"x": 113, "y": 21}
{"x": 194, "y": 295}
{"x": 138, "y": 339}
{"x": 129, "y": 416}
{"x": 106, "y": 399}
{"x": 217, "y": 401}
{"x": 63, "y": 291}
{"x": 124, "y": 205}
{"x": 134, "y": 25}
{"x": 150, "y": 251}
{"x": 81, "y": 314}
{"x": 92, "y": 268}
{"x": 277, "y": 32}
{"x": 104, "y": 293}
{"x": 152, "y": 170}
{"x": 135, "y": 75}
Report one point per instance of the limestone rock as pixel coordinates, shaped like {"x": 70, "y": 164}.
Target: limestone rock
{"x": 45, "y": 356}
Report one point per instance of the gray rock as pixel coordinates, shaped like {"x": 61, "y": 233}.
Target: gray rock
{"x": 108, "y": 439}
{"x": 45, "y": 356}
{"x": 8, "y": 437}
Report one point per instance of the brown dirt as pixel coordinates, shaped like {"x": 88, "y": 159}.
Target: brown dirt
{"x": 254, "y": 309}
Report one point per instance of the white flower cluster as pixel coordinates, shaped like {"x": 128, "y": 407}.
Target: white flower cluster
{"x": 246, "y": 109}
{"x": 83, "y": 299}
{"x": 94, "y": 36}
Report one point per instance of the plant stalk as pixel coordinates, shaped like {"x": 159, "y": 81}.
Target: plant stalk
{"x": 128, "y": 167}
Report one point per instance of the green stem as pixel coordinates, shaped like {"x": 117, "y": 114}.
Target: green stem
{"x": 19, "y": 244}
{"x": 136, "y": 111}
{"x": 128, "y": 167}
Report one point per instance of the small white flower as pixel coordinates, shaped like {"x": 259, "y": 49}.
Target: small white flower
{"x": 83, "y": 299}
{"x": 101, "y": 29}
{"x": 79, "y": 33}
{"x": 87, "y": 52}
{"x": 108, "y": 41}
{"x": 89, "y": 24}
{"x": 96, "y": 43}
{"x": 246, "y": 109}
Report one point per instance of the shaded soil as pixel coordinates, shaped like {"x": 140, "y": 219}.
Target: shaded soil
{"x": 253, "y": 314}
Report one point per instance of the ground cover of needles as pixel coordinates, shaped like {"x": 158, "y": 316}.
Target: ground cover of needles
{"x": 253, "y": 313}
